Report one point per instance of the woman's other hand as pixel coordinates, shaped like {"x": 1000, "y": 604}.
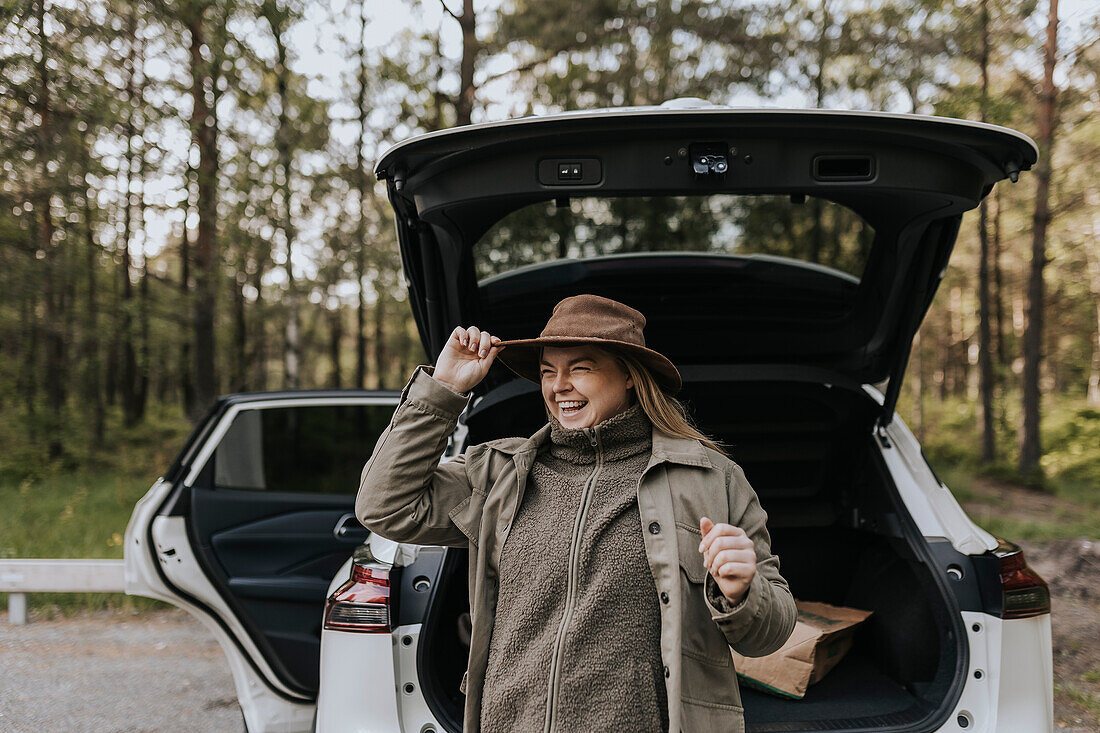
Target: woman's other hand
{"x": 730, "y": 556}
{"x": 466, "y": 358}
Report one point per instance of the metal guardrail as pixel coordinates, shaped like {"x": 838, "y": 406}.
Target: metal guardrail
{"x": 19, "y": 577}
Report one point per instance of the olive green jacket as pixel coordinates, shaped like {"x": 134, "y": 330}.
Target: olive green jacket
{"x": 406, "y": 495}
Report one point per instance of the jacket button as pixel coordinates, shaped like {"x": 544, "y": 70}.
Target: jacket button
{"x": 654, "y": 527}
{"x": 664, "y": 597}
{"x": 666, "y": 672}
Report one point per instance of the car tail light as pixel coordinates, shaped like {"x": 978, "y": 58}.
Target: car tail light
{"x": 1023, "y": 593}
{"x": 362, "y": 603}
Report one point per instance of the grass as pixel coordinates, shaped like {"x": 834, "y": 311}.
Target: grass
{"x": 78, "y": 506}
{"x": 1087, "y": 701}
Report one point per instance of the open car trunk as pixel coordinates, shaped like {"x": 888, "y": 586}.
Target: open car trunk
{"x": 809, "y": 450}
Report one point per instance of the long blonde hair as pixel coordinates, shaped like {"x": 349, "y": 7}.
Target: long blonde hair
{"x": 666, "y": 412}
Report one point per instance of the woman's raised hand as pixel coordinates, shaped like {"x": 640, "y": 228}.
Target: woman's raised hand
{"x": 466, "y": 358}
{"x": 730, "y": 556}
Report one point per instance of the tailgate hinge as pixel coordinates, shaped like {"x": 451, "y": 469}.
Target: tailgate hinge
{"x": 880, "y": 433}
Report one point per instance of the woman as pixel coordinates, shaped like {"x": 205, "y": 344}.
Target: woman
{"x": 615, "y": 556}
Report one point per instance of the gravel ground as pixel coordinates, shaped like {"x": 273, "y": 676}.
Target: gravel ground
{"x": 110, "y": 672}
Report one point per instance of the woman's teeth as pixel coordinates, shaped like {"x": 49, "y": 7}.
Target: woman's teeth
{"x": 568, "y": 408}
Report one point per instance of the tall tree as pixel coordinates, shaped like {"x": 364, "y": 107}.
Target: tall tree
{"x": 196, "y": 18}
{"x": 301, "y": 124}
{"x": 362, "y": 190}
{"x": 985, "y": 337}
{"x": 279, "y": 17}
{"x": 1030, "y": 441}
{"x": 130, "y": 380}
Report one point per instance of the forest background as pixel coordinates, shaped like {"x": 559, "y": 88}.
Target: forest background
{"x": 187, "y": 209}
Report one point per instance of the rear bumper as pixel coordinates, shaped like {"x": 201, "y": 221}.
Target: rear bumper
{"x": 1010, "y": 683}
{"x": 358, "y": 692}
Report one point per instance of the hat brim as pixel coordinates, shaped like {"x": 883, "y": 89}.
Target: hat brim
{"x": 522, "y": 357}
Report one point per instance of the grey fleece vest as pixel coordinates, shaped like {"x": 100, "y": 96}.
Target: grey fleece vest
{"x": 576, "y": 638}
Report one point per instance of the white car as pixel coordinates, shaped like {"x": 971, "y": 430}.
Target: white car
{"x": 784, "y": 260}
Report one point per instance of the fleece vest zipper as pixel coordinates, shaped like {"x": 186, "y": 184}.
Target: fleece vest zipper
{"x": 571, "y": 581}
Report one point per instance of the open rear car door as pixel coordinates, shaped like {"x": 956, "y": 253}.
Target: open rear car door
{"x": 249, "y": 525}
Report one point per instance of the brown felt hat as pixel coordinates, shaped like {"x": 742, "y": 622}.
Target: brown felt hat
{"x": 591, "y": 319}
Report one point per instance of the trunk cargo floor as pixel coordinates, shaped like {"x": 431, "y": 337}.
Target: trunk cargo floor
{"x": 853, "y": 695}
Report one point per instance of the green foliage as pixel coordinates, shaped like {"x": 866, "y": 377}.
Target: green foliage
{"x": 1071, "y": 438}
{"x": 1073, "y": 454}
{"x": 56, "y": 510}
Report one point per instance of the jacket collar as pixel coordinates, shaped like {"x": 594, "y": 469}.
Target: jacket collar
{"x": 674, "y": 449}
{"x": 666, "y": 449}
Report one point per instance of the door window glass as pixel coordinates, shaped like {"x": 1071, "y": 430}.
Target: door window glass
{"x": 316, "y": 449}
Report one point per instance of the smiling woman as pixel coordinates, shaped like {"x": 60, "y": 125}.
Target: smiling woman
{"x": 616, "y": 555}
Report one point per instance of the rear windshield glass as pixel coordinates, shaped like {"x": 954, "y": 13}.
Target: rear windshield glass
{"x": 810, "y": 230}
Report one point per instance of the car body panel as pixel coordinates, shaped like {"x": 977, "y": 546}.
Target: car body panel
{"x": 1010, "y": 683}
{"x": 1025, "y": 700}
{"x": 931, "y": 504}
{"x": 359, "y": 697}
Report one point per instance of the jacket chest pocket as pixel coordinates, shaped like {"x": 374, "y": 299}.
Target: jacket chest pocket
{"x": 701, "y": 639}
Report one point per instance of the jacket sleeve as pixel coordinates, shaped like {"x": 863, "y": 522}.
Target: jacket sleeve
{"x": 764, "y": 619}
{"x": 405, "y": 493}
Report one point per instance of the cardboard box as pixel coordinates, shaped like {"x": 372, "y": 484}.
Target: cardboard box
{"x": 822, "y": 636}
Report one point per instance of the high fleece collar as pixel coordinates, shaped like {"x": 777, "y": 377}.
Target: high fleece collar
{"x": 666, "y": 449}
{"x": 618, "y": 437}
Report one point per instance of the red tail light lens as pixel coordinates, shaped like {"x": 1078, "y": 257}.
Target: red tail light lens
{"x": 1023, "y": 593}
{"x": 361, "y": 604}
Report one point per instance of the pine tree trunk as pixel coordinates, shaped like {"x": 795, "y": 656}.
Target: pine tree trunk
{"x": 143, "y": 347}
{"x": 468, "y": 22}
{"x": 186, "y": 363}
{"x": 204, "y": 136}
{"x": 1093, "y": 257}
{"x": 292, "y": 353}
{"x": 240, "y": 330}
{"x": 336, "y": 331}
{"x": 129, "y": 358}
{"x": 985, "y": 350}
{"x": 259, "y": 332}
{"x": 93, "y": 389}
{"x": 1002, "y": 374}
{"x": 55, "y": 391}
{"x": 379, "y": 340}
{"x": 28, "y": 371}
{"x": 361, "y": 223}
{"x": 985, "y": 345}
{"x": 1030, "y": 441}
{"x": 143, "y": 337}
